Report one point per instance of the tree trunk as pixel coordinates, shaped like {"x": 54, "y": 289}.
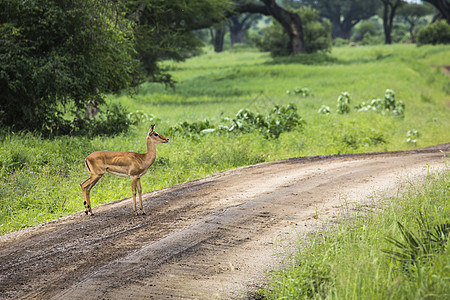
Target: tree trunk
{"x": 386, "y": 27}
{"x": 388, "y": 18}
{"x": 218, "y": 38}
{"x": 346, "y": 28}
{"x": 237, "y": 30}
{"x": 411, "y": 32}
{"x": 236, "y": 36}
{"x": 336, "y": 31}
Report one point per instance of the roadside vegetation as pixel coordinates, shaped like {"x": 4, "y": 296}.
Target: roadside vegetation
{"x": 237, "y": 108}
{"x": 396, "y": 248}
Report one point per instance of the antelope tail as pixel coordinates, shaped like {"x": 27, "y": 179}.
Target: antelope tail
{"x": 87, "y": 166}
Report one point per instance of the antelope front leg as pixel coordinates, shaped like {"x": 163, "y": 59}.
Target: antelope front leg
{"x": 139, "y": 188}
{"x": 134, "y": 181}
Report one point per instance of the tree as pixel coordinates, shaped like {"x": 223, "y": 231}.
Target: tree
{"x": 165, "y": 30}
{"x": 239, "y": 24}
{"x": 388, "y": 13}
{"x": 317, "y": 35}
{"x": 59, "y": 54}
{"x": 290, "y": 21}
{"x": 343, "y": 14}
{"x": 443, "y": 6}
{"x": 412, "y": 14}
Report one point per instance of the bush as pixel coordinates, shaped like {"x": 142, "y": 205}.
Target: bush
{"x": 113, "y": 120}
{"x": 274, "y": 39}
{"x": 280, "y": 119}
{"x": 189, "y": 129}
{"x": 365, "y": 29}
{"x": 338, "y": 42}
{"x": 435, "y": 33}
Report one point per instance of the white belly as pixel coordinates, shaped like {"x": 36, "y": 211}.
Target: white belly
{"x": 117, "y": 173}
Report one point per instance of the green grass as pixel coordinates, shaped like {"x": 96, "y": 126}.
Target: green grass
{"x": 350, "y": 260}
{"x": 40, "y": 177}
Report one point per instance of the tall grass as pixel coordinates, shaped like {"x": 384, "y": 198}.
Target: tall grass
{"x": 40, "y": 177}
{"x": 351, "y": 260}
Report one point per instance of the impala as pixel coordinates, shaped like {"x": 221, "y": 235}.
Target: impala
{"x": 126, "y": 164}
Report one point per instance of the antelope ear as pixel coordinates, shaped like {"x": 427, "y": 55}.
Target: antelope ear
{"x": 152, "y": 128}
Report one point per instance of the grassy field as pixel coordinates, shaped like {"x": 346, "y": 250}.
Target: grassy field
{"x": 40, "y": 177}
{"x": 357, "y": 257}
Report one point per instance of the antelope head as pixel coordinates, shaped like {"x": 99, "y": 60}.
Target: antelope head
{"x": 156, "y": 137}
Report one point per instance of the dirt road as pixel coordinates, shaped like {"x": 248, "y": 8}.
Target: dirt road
{"x": 210, "y": 238}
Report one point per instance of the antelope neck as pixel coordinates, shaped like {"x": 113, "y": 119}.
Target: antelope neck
{"x": 151, "y": 149}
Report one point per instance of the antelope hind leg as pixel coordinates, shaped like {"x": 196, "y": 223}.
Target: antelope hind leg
{"x": 86, "y": 187}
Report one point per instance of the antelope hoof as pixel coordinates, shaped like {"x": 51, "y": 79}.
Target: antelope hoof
{"x": 86, "y": 212}
{"x": 143, "y": 213}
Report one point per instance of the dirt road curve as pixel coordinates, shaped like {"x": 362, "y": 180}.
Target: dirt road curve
{"x": 213, "y": 237}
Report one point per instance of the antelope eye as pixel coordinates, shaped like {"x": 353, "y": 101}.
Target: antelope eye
{"x": 156, "y": 134}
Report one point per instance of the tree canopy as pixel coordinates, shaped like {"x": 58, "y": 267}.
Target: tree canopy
{"x": 59, "y": 54}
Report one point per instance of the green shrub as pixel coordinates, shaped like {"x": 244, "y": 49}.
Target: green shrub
{"x": 189, "y": 129}
{"x": 365, "y": 29}
{"x": 112, "y": 121}
{"x": 300, "y": 91}
{"x": 387, "y": 104}
{"x": 138, "y": 116}
{"x": 338, "y": 42}
{"x": 324, "y": 110}
{"x": 435, "y": 33}
{"x": 280, "y": 119}
{"x": 412, "y": 136}
{"x": 343, "y": 103}
{"x": 274, "y": 39}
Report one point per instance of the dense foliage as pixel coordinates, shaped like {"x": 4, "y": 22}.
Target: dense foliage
{"x": 56, "y": 56}
{"x": 59, "y": 57}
